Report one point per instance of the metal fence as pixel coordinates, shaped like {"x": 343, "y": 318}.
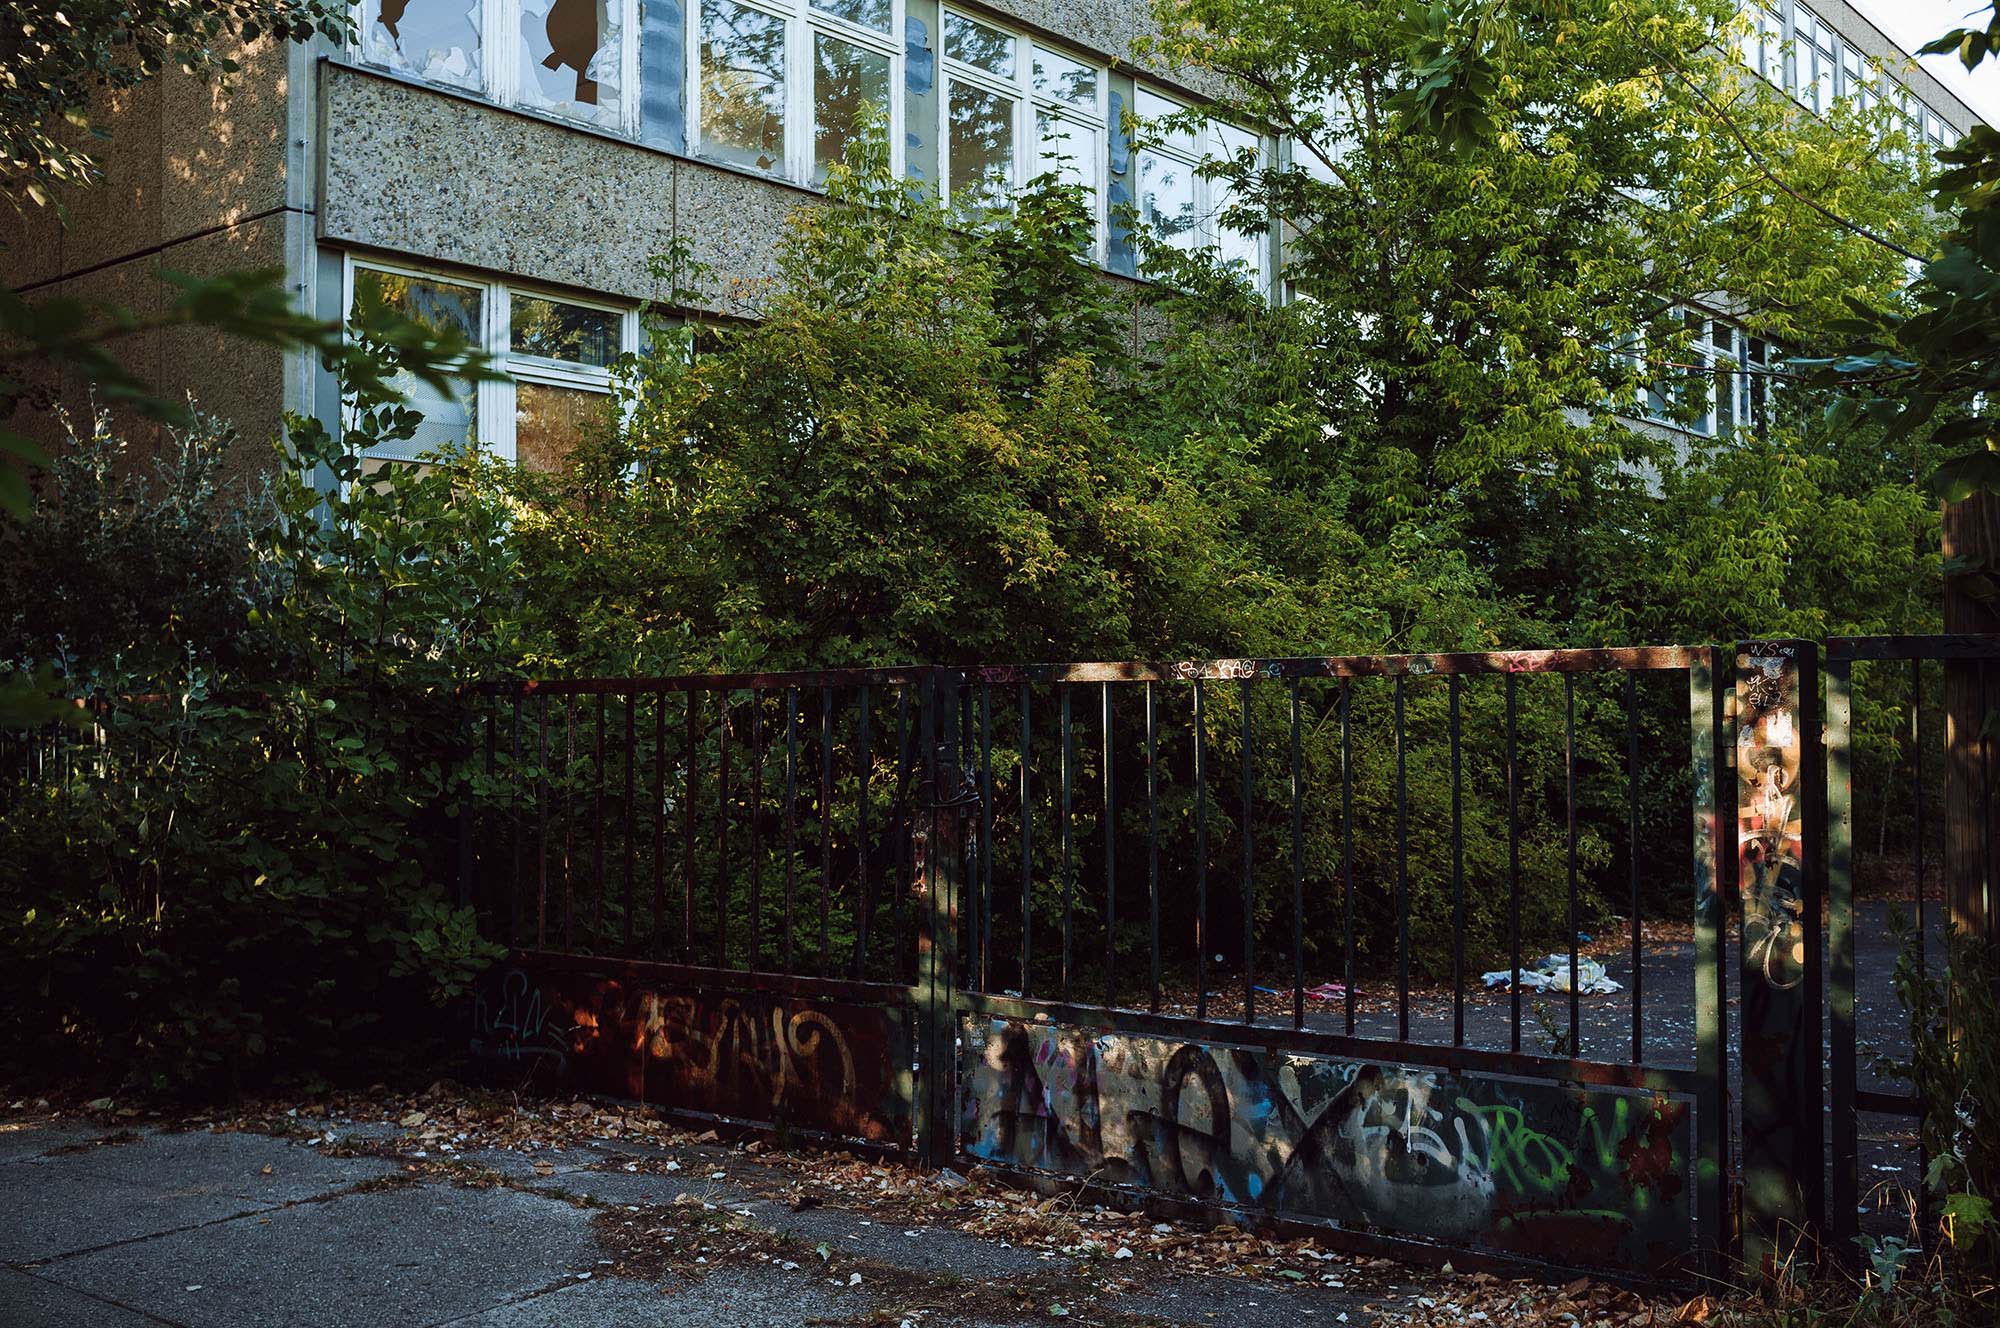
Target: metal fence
{"x": 903, "y": 905}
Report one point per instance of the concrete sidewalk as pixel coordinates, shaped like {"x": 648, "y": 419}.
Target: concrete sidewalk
{"x": 224, "y": 1229}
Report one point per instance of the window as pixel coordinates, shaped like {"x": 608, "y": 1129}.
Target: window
{"x": 1712, "y": 385}
{"x": 1763, "y": 44}
{"x": 1014, "y": 109}
{"x": 436, "y": 40}
{"x": 571, "y": 58}
{"x": 558, "y": 353}
{"x": 1181, "y": 207}
{"x": 451, "y": 416}
{"x": 782, "y": 86}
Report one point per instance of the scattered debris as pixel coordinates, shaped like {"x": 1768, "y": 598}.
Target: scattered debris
{"x": 1552, "y": 974}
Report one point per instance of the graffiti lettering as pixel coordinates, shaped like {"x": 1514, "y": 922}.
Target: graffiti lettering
{"x": 1511, "y": 1164}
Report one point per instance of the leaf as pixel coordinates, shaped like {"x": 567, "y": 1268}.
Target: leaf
{"x": 1971, "y": 1212}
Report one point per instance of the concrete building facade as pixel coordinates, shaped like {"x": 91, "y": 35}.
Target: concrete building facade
{"x": 510, "y": 166}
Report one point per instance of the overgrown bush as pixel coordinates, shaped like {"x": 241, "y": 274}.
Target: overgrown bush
{"x": 243, "y": 862}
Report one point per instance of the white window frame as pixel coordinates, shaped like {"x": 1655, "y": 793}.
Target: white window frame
{"x": 1027, "y": 103}
{"x": 801, "y": 21}
{"x": 493, "y": 399}
{"x": 1207, "y": 201}
{"x": 500, "y": 54}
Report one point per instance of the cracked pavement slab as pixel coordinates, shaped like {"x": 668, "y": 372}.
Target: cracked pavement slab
{"x": 228, "y": 1227}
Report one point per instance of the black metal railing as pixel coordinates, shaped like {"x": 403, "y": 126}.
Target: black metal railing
{"x": 1910, "y": 784}
{"x": 1276, "y": 814}
{"x": 756, "y": 822}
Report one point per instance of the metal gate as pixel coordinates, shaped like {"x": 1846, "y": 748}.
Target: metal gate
{"x": 1202, "y": 934}
{"x": 814, "y": 902}
{"x": 1269, "y": 809}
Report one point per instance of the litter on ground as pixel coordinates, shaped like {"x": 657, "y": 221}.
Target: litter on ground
{"x": 1552, "y": 974}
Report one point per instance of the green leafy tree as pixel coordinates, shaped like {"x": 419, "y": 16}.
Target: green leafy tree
{"x": 1480, "y": 311}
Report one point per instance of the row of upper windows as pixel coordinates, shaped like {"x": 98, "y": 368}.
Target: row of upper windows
{"x": 780, "y": 86}
{"x": 1800, "y": 53}
{"x": 1713, "y": 385}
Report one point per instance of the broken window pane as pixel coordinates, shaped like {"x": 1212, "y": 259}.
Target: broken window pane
{"x": 1166, "y": 199}
{"x": 554, "y": 330}
{"x": 439, "y": 305}
{"x": 868, "y": 13}
{"x": 981, "y": 146}
{"x": 845, "y": 79}
{"x": 1062, "y": 79}
{"x": 572, "y": 57}
{"x": 743, "y": 84}
{"x": 973, "y": 43}
{"x": 436, "y": 40}
{"x": 550, "y": 421}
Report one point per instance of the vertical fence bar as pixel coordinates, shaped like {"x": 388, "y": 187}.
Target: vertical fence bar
{"x": 1249, "y": 829}
{"x": 659, "y": 819}
{"x": 1917, "y": 769}
{"x": 1514, "y": 857}
{"x": 1298, "y": 872}
{"x": 1632, "y": 864}
{"x": 1925, "y": 1219}
{"x": 569, "y": 823}
{"x": 631, "y": 807}
{"x": 1200, "y": 855}
{"x": 514, "y": 822}
{"x": 1457, "y": 869}
{"x": 1402, "y": 872}
{"x": 1153, "y": 843}
{"x": 687, "y": 828}
{"x": 938, "y": 866}
{"x": 542, "y": 820}
{"x": 597, "y": 828}
{"x": 1062, "y": 834}
{"x": 1844, "y": 1224}
{"x": 789, "y": 950}
{"x": 985, "y": 837}
{"x": 722, "y": 719}
{"x": 1110, "y": 864}
{"x": 907, "y": 815}
{"x": 1569, "y": 849}
{"x": 492, "y": 745}
{"x": 1709, "y": 682}
{"x": 864, "y": 874}
{"x": 1779, "y": 808}
{"x": 1027, "y": 847}
{"x": 825, "y": 825}
{"x": 1347, "y": 843}
{"x": 756, "y": 818}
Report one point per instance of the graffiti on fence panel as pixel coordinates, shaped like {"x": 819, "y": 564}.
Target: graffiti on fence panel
{"x": 515, "y": 1031}
{"x": 1595, "y": 1176}
{"x": 779, "y": 1058}
{"x": 1770, "y": 818}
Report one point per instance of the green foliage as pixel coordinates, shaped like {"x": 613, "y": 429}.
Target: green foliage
{"x": 1954, "y": 1069}
{"x": 58, "y": 56}
{"x": 245, "y": 864}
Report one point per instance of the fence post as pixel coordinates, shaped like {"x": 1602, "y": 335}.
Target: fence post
{"x": 939, "y": 860}
{"x": 1843, "y": 1223}
{"x": 463, "y": 775}
{"x": 1780, "y": 874}
{"x": 1970, "y": 542}
{"x": 1710, "y": 750}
